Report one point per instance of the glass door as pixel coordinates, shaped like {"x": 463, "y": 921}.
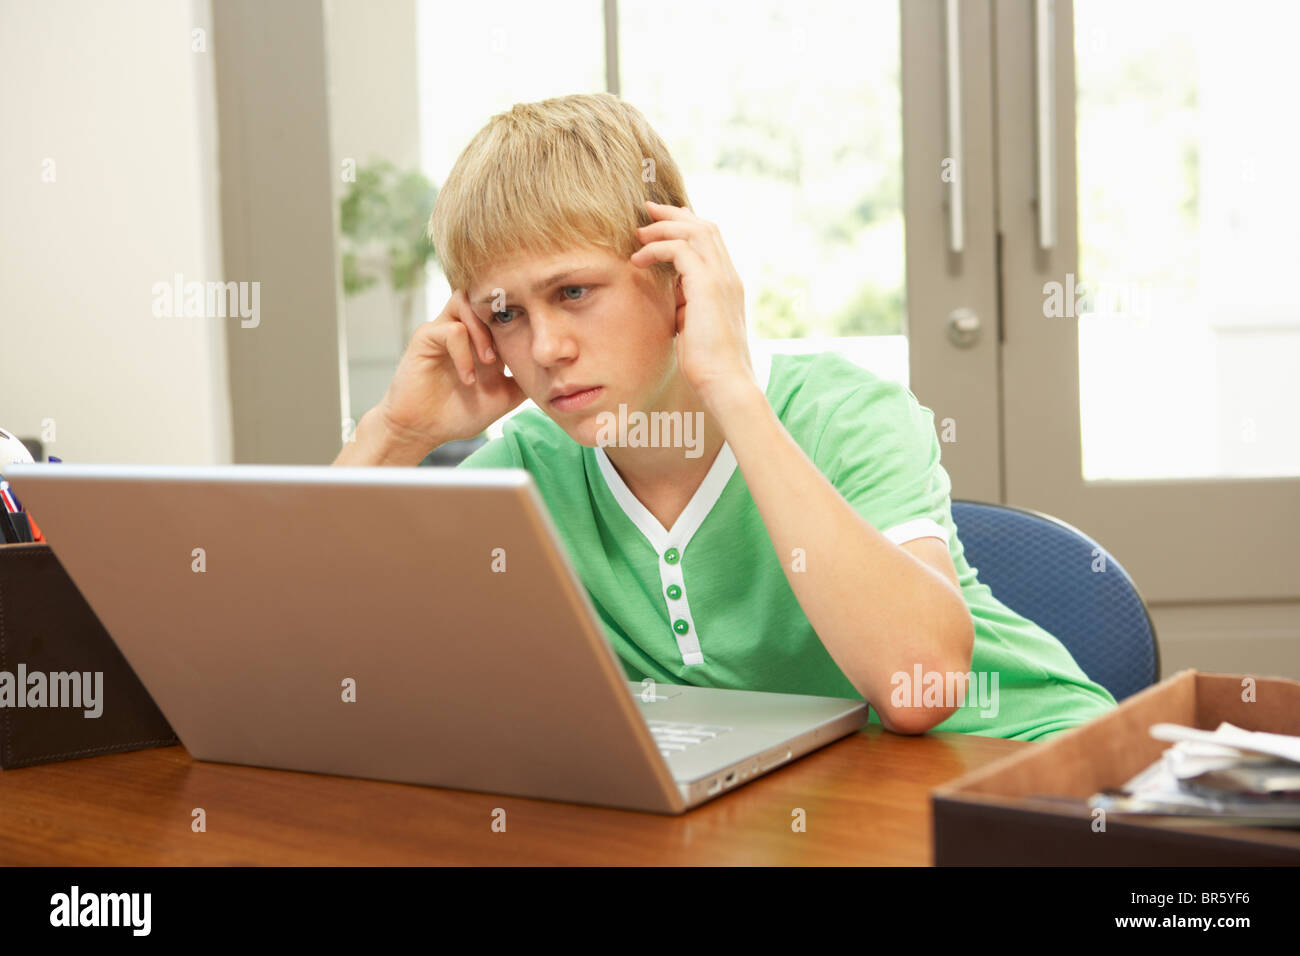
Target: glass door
{"x": 786, "y": 123}
{"x": 1150, "y": 236}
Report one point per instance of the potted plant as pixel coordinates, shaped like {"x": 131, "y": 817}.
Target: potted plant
{"x": 382, "y": 219}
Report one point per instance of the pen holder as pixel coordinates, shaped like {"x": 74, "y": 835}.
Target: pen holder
{"x": 66, "y": 691}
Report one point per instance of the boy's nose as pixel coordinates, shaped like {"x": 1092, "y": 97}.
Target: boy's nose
{"x": 552, "y": 339}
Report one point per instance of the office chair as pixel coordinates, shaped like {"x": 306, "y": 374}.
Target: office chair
{"x": 1042, "y": 568}
{"x": 452, "y": 453}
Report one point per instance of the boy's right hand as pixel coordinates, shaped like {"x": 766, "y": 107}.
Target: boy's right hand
{"x": 430, "y": 401}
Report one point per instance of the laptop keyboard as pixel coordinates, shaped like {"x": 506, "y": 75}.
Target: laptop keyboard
{"x": 672, "y": 736}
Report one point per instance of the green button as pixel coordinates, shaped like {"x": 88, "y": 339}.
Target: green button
{"x": 680, "y": 626}
{"x": 674, "y": 591}
{"x": 671, "y": 555}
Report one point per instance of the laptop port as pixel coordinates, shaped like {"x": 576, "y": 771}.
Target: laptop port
{"x": 715, "y": 786}
{"x": 731, "y": 778}
{"x": 776, "y": 757}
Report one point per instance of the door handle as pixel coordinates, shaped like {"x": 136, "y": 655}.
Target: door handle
{"x": 963, "y": 327}
{"x": 956, "y": 195}
{"x": 1045, "y": 93}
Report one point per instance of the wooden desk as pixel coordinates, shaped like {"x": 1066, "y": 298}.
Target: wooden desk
{"x": 866, "y": 797}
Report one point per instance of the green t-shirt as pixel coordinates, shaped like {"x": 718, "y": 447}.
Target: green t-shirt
{"x": 707, "y": 603}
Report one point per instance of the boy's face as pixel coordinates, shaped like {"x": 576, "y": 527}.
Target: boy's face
{"x": 584, "y": 317}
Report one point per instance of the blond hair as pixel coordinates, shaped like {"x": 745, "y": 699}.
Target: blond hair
{"x": 550, "y": 176}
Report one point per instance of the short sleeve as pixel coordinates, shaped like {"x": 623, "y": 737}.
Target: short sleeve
{"x": 529, "y": 440}
{"x": 880, "y": 451}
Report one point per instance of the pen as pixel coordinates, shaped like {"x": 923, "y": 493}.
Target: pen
{"x": 7, "y": 530}
{"x": 10, "y": 498}
{"x": 14, "y": 524}
{"x": 20, "y": 522}
{"x": 7, "y": 496}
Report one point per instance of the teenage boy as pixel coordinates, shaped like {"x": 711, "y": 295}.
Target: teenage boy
{"x": 789, "y": 534}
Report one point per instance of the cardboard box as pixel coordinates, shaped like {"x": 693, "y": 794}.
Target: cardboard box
{"x": 86, "y": 700}
{"x": 1029, "y": 808}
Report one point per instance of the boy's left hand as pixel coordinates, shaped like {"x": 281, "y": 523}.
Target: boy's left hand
{"x": 712, "y": 349}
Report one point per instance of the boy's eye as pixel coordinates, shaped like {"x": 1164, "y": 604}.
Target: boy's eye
{"x": 502, "y": 318}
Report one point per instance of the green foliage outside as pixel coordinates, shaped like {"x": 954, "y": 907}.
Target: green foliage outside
{"x": 382, "y": 219}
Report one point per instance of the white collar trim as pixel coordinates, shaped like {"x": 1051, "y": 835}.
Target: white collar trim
{"x": 696, "y": 510}
{"x": 692, "y": 516}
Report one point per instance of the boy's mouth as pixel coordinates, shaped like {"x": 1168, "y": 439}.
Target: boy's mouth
{"x": 577, "y": 399}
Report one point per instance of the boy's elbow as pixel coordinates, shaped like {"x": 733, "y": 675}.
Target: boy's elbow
{"x": 913, "y": 720}
{"x": 964, "y": 641}
{"x": 960, "y": 650}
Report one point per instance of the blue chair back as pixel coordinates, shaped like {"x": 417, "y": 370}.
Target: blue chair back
{"x": 1066, "y": 583}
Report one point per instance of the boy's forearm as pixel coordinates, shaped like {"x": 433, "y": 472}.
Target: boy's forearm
{"x": 875, "y": 608}
{"x": 372, "y": 444}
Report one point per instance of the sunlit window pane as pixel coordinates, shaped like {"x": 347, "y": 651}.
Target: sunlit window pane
{"x": 1189, "y": 240}
{"x": 786, "y": 123}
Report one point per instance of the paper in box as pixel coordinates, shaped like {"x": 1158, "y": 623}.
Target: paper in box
{"x": 1030, "y": 808}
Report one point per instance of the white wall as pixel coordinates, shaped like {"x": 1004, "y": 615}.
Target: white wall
{"x": 112, "y": 93}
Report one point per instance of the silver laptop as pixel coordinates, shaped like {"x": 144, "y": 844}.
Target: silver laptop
{"x": 422, "y": 625}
